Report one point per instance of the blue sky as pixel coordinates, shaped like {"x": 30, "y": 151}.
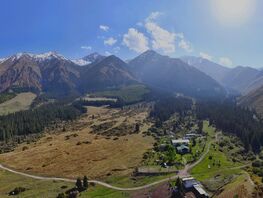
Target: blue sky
{"x": 225, "y": 31}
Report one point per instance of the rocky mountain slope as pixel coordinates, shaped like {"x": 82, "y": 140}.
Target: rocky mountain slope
{"x": 174, "y": 75}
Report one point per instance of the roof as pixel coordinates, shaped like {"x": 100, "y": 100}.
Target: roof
{"x": 200, "y": 190}
{"x": 180, "y": 141}
{"x": 182, "y": 147}
{"x": 189, "y": 183}
{"x": 187, "y": 178}
{"x": 191, "y": 134}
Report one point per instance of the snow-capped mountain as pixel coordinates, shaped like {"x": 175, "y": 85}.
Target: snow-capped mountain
{"x": 37, "y": 57}
{"x": 58, "y": 76}
{"x": 81, "y": 62}
{"x": 92, "y": 58}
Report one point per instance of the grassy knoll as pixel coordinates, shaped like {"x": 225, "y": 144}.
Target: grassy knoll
{"x": 20, "y": 102}
{"x": 129, "y": 94}
{"x": 35, "y": 188}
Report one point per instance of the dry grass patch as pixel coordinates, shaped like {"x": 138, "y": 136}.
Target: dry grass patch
{"x": 78, "y": 152}
{"x": 21, "y": 102}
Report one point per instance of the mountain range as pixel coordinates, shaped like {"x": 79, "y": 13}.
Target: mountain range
{"x": 54, "y": 74}
{"x": 241, "y": 79}
{"x": 172, "y": 74}
{"x": 58, "y": 76}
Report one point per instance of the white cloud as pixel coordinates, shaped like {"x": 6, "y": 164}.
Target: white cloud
{"x": 86, "y": 47}
{"x": 206, "y": 56}
{"x": 225, "y": 61}
{"x": 107, "y": 53}
{"x": 110, "y": 41}
{"x": 140, "y": 24}
{"x": 186, "y": 45}
{"x": 153, "y": 16}
{"x": 105, "y": 28}
{"x": 116, "y": 49}
{"x": 135, "y": 40}
{"x": 162, "y": 39}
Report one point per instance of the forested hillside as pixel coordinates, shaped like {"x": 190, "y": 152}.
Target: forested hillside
{"x": 235, "y": 120}
{"x": 35, "y": 121}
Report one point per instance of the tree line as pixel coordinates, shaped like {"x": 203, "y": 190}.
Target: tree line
{"x": 166, "y": 107}
{"x": 230, "y": 118}
{"x": 36, "y": 120}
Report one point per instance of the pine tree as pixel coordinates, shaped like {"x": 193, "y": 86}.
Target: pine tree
{"x": 85, "y": 182}
{"x": 79, "y": 184}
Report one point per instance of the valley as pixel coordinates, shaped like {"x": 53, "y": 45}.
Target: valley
{"x": 133, "y": 133}
{"x": 105, "y": 144}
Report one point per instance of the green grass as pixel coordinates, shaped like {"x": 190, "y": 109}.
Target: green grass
{"x": 35, "y": 188}
{"x": 102, "y": 192}
{"x": 129, "y": 94}
{"x": 127, "y": 182}
{"x": 202, "y": 170}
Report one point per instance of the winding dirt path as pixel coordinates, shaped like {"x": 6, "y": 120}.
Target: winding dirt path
{"x": 182, "y": 173}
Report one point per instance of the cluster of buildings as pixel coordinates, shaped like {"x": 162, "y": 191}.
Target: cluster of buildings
{"x": 182, "y": 145}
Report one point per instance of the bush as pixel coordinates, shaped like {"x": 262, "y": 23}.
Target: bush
{"x": 17, "y": 190}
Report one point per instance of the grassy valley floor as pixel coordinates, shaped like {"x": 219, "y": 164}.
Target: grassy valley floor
{"x": 20, "y": 102}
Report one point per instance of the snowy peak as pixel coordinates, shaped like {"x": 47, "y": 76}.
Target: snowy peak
{"x": 92, "y": 58}
{"x": 36, "y": 57}
{"x": 81, "y": 62}
{"x": 49, "y": 56}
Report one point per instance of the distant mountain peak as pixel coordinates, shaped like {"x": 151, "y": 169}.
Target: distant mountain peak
{"x": 150, "y": 53}
{"x": 38, "y": 57}
{"x": 93, "y": 57}
{"x": 49, "y": 55}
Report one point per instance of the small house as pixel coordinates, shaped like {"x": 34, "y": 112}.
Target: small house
{"x": 179, "y": 142}
{"x": 182, "y": 149}
{"x": 192, "y": 185}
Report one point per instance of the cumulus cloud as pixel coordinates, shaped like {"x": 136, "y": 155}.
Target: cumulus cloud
{"x": 116, "y": 49}
{"x": 110, "y": 41}
{"x": 107, "y": 53}
{"x": 86, "y": 47}
{"x": 186, "y": 45}
{"x": 140, "y": 24}
{"x": 206, "y": 56}
{"x": 153, "y": 16}
{"x": 135, "y": 40}
{"x": 104, "y": 28}
{"x": 162, "y": 39}
{"x": 225, "y": 61}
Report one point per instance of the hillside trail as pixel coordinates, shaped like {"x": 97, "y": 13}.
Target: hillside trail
{"x": 182, "y": 173}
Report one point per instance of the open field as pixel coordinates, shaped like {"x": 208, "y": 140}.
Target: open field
{"x": 241, "y": 186}
{"x": 79, "y": 152}
{"x": 21, "y": 102}
{"x": 216, "y": 169}
{"x": 35, "y": 188}
{"x": 129, "y": 94}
